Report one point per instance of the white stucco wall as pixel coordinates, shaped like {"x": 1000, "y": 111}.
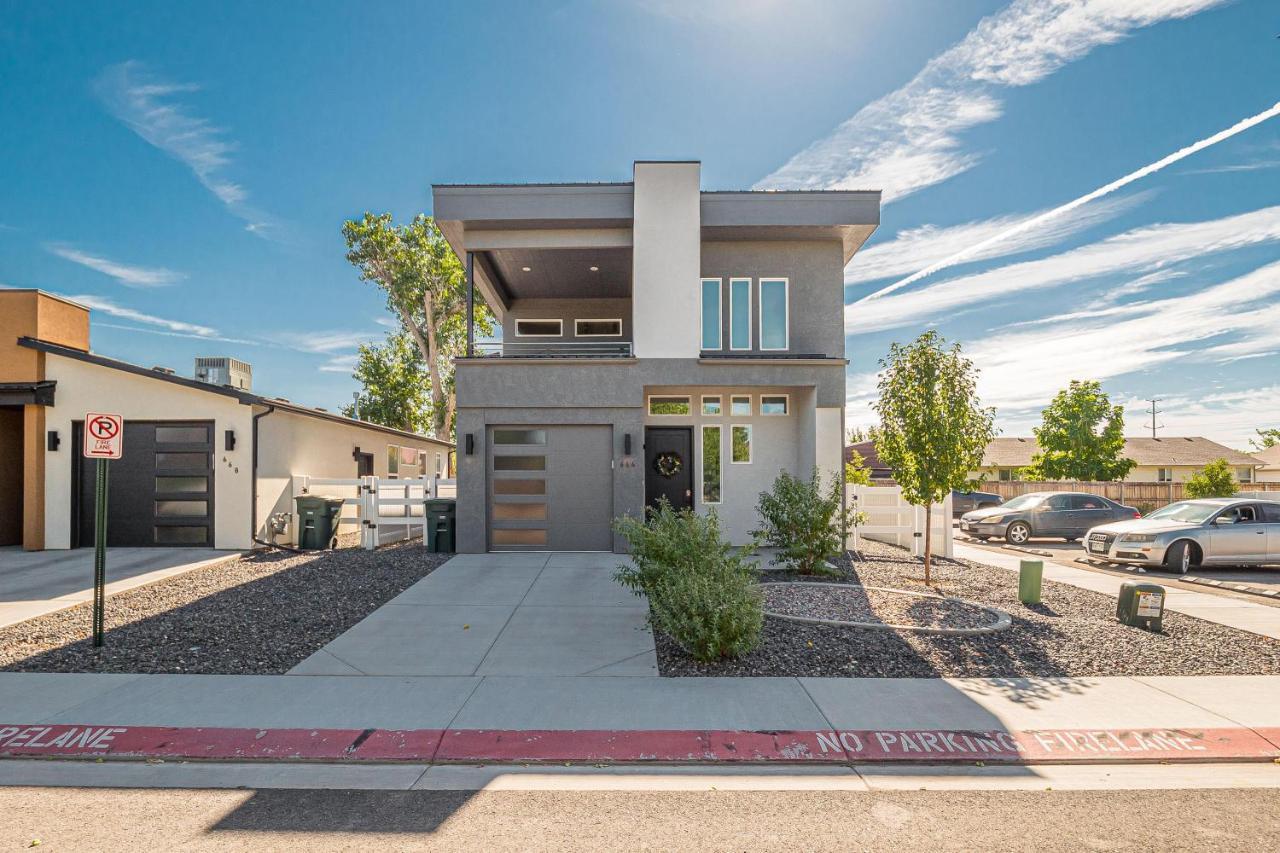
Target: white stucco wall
{"x": 290, "y": 443}
{"x": 84, "y": 387}
{"x": 667, "y": 260}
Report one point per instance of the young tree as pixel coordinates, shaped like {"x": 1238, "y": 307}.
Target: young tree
{"x": 1081, "y": 437}
{"x": 933, "y": 429}
{"x": 857, "y": 435}
{"x": 855, "y": 470}
{"x": 395, "y": 385}
{"x": 1266, "y": 438}
{"x": 1215, "y": 480}
{"x": 426, "y": 289}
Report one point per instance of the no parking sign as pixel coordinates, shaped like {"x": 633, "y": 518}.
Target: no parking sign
{"x": 103, "y": 436}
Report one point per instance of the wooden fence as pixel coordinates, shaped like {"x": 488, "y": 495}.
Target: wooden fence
{"x": 1144, "y": 496}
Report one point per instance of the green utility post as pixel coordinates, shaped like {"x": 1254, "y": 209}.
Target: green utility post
{"x": 1030, "y": 576}
{"x": 100, "y": 554}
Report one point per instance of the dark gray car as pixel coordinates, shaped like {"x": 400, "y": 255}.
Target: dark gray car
{"x": 962, "y": 502}
{"x": 1060, "y": 515}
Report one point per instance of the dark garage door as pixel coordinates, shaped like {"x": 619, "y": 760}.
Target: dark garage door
{"x": 159, "y": 493}
{"x": 550, "y": 488}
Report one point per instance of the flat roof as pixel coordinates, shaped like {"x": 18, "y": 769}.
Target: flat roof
{"x": 244, "y": 397}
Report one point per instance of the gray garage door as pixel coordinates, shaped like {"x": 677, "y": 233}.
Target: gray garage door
{"x": 550, "y": 488}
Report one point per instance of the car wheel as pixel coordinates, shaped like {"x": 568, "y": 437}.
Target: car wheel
{"x": 1018, "y": 533}
{"x": 1180, "y": 557}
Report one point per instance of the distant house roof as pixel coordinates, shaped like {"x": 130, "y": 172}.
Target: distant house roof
{"x": 870, "y": 459}
{"x": 1161, "y": 452}
{"x": 1270, "y": 458}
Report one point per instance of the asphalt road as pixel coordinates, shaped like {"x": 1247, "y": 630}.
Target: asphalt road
{"x": 111, "y": 819}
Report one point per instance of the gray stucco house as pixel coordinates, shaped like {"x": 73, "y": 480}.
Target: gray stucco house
{"x": 656, "y": 340}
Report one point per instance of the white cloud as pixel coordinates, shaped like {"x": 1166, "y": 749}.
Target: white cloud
{"x": 127, "y": 274}
{"x": 340, "y": 364}
{"x": 1228, "y": 417}
{"x": 150, "y": 108}
{"x": 97, "y": 303}
{"x": 324, "y": 342}
{"x": 912, "y": 248}
{"x": 910, "y": 138}
{"x": 1140, "y": 251}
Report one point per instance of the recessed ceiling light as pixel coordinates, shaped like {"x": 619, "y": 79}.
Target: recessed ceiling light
{"x": 595, "y": 269}
{"x": 527, "y": 269}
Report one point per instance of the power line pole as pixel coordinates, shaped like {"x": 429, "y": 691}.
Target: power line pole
{"x": 1153, "y": 411}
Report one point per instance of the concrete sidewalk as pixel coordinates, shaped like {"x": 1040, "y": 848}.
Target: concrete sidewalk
{"x": 1239, "y": 613}
{"x": 33, "y": 583}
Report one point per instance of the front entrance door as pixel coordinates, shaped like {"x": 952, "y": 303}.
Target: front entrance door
{"x": 668, "y": 466}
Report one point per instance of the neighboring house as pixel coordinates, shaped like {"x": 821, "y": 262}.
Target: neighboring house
{"x": 1160, "y": 460}
{"x": 1270, "y": 470}
{"x": 204, "y": 464}
{"x": 656, "y": 341}
{"x": 870, "y": 459}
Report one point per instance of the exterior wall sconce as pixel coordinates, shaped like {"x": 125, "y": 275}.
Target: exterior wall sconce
{"x": 626, "y": 444}
{"x": 471, "y": 443}
{"x": 355, "y": 453}
{"x": 229, "y": 439}
{"x": 53, "y": 440}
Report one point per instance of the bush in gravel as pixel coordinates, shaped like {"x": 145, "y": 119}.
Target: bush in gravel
{"x": 804, "y": 521}
{"x": 701, "y": 593}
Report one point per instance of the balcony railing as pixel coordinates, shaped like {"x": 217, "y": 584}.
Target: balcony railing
{"x": 552, "y": 349}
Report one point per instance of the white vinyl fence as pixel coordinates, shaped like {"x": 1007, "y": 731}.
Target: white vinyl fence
{"x": 891, "y": 519}
{"x": 384, "y": 509}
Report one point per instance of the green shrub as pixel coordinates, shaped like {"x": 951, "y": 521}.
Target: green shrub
{"x": 1215, "y": 480}
{"x": 805, "y": 522}
{"x": 701, "y": 593}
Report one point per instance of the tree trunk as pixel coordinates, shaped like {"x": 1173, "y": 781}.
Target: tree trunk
{"x": 928, "y": 542}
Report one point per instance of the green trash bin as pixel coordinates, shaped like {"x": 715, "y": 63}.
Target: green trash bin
{"x": 442, "y": 521}
{"x": 317, "y": 521}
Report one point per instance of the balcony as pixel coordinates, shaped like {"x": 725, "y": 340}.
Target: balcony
{"x": 552, "y": 349}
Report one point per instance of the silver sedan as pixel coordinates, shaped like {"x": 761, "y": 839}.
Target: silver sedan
{"x": 1180, "y": 536}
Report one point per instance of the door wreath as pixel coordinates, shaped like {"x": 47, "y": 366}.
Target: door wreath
{"x": 668, "y": 464}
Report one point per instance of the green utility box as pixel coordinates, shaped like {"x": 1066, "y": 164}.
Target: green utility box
{"x": 442, "y": 522}
{"x": 1030, "y": 577}
{"x": 1141, "y": 605}
{"x": 317, "y": 521}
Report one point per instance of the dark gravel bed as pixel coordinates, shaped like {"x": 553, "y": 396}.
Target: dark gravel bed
{"x": 1072, "y": 633}
{"x": 858, "y": 604}
{"x": 261, "y": 614}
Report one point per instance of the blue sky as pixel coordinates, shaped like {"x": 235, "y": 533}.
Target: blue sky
{"x": 185, "y": 169}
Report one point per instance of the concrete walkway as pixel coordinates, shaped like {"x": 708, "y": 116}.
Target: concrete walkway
{"x": 1233, "y": 612}
{"x": 520, "y": 614}
{"x": 33, "y": 583}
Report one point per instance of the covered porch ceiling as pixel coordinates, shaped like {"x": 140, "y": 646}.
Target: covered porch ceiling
{"x": 571, "y": 273}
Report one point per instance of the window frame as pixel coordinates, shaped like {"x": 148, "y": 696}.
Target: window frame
{"x": 1248, "y": 474}
{"x": 750, "y": 314}
{"x": 393, "y": 461}
{"x": 702, "y": 464}
{"x": 578, "y": 320}
{"x": 786, "y": 302}
{"x": 702, "y": 343}
{"x": 719, "y": 398}
{"x": 751, "y": 453}
{"x": 1161, "y": 475}
{"x": 751, "y": 408}
{"x": 557, "y": 320}
{"x": 648, "y": 405}
{"x": 786, "y": 406}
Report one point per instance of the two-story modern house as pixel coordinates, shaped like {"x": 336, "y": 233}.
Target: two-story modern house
{"x": 656, "y": 341}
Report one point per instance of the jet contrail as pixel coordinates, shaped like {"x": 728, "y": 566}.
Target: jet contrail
{"x": 1239, "y": 127}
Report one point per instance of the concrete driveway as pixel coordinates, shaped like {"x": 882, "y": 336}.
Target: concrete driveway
{"x": 501, "y": 614}
{"x": 33, "y": 583}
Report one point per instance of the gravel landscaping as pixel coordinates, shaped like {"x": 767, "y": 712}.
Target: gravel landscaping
{"x": 260, "y": 614}
{"x": 849, "y": 603}
{"x": 1074, "y": 632}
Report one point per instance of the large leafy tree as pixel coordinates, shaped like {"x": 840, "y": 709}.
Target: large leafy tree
{"x": 933, "y": 428}
{"x": 395, "y": 384}
{"x": 425, "y": 288}
{"x": 1215, "y": 480}
{"x": 1266, "y": 438}
{"x": 1081, "y": 437}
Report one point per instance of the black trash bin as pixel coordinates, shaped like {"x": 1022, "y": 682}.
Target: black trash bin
{"x": 442, "y": 521}
{"x": 317, "y": 521}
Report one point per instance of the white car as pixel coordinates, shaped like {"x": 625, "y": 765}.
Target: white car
{"x": 1182, "y": 535}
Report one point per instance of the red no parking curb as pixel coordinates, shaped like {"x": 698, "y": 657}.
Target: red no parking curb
{"x": 474, "y": 746}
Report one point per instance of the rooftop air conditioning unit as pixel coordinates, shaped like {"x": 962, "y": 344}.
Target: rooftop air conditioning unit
{"x": 221, "y": 370}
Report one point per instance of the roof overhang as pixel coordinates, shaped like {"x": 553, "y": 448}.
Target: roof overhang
{"x": 27, "y": 393}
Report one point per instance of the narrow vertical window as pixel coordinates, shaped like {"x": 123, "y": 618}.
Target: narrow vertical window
{"x": 741, "y": 444}
{"x": 773, "y": 314}
{"x": 740, "y": 313}
{"x": 711, "y": 313}
{"x": 711, "y": 464}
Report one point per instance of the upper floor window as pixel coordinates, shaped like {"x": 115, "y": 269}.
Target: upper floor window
{"x": 773, "y": 314}
{"x": 539, "y": 328}
{"x": 740, "y": 313}
{"x": 711, "y": 314}
{"x": 597, "y": 328}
